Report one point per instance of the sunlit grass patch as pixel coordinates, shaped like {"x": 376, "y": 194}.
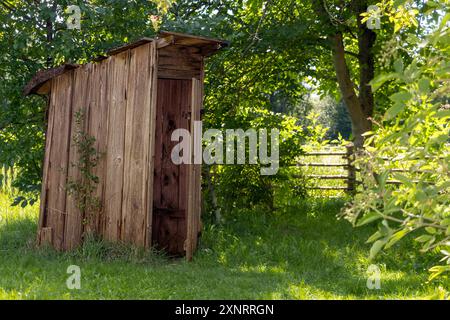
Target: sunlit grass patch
{"x": 300, "y": 251}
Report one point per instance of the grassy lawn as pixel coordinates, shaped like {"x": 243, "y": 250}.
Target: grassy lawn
{"x": 299, "y": 252}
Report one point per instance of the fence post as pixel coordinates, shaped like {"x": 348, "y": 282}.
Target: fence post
{"x": 351, "y": 176}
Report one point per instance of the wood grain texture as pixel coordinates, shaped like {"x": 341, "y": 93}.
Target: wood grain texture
{"x": 153, "y": 61}
{"x": 117, "y": 92}
{"x": 74, "y": 219}
{"x": 137, "y": 146}
{"x": 179, "y": 62}
{"x": 170, "y": 204}
{"x": 45, "y": 175}
{"x": 98, "y": 128}
{"x": 194, "y": 177}
{"x": 59, "y": 156}
{"x": 145, "y": 197}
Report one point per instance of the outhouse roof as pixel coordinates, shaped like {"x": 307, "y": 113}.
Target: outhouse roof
{"x": 207, "y": 46}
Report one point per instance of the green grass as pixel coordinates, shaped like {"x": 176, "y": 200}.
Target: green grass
{"x": 298, "y": 252}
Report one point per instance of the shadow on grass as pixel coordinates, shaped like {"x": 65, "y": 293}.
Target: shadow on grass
{"x": 299, "y": 252}
{"x": 307, "y": 253}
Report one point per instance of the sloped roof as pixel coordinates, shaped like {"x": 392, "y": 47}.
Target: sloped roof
{"x": 207, "y": 46}
{"x": 36, "y": 84}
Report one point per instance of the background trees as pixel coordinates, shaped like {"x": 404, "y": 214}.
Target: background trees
{"x": 286, "y": 59}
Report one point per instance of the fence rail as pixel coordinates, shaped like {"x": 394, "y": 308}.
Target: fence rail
{"x": 350, "y": 176}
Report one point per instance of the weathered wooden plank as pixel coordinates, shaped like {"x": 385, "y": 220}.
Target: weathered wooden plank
{"x": 45, "y": 174}
{"x": 164, "y": 73}
{"x": 325, "y": 154}
{"x": 180, "y": 50}
{"x": 117, "y": 92}
{"x": 46, "y": 236}
{"x": 164, "y": 42}
{"x": 170, "y": 171}
{"x": 330, "y": 188}
{"x": 198, "y": 116}
{"x": 137, "y": 139}
{"x": 321, "y": 165}
{"x": 74, "y": 219}
{"x": 184, "y": 123}
{"x": 198, "y": 168}
{"x": 158, "y": 144}
{"x": 153, "y": 61}
{"x": 170, "y": 54}
{"x": 129, "y": 46}
{"x": 98, "y": 128}
{"x": 157, "y": 162}
{"x": 206, "y": 46}
{"x": 59, "y": 154}
{"x": 194, "y": 180}
{"x": 179, "y": 63}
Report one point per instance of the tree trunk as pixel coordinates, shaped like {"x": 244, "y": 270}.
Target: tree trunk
{"x": 360, "y": 104}
{"x": 358, "y": 114}
{"x": 50, "y": 32}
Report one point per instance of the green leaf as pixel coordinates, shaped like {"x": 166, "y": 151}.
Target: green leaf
{"x": 396, "y": 237}
{"x": 399, "y": 100}
{"x": 401, "y": 97}
{"x": 438, "y": 270}
{"x": 376, "y": 248}
{"x": 398, "y": 65}
{"x": 424, "y": 85}
{"x": 377, "y": 235}
{"x": 381, "y": 79}
{"x": 424, "y": 238}
{"x": 405, "y": 180}
{"x": 368, "y": 218}
{"x": 443, "y": 114}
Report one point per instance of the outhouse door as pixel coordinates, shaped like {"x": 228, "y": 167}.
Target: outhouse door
{"x": 177, "y": 188}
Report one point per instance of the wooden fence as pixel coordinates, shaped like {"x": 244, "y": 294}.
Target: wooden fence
{"x": 349, "y": 178}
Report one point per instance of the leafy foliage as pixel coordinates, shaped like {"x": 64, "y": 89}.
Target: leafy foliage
{"x": 413, "y": 136}
{"x": 83, "y": 189}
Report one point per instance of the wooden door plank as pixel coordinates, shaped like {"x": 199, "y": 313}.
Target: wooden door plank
{"x": 185, "y": 110}
{"x": 194, "y": 175}
{"x": 170, "y": 171}
{"x": 153, "y": 62}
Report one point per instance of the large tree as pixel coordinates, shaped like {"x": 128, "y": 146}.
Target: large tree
{"x": 357, "y": 94}
{"x": 321, "y": 41}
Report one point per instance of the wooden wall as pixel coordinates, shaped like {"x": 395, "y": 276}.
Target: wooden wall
{"x": 117, "y": 97}
{"x": 132, "y": 102}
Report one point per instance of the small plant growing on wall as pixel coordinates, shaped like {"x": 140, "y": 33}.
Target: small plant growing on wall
{"x": 84, "y": 187}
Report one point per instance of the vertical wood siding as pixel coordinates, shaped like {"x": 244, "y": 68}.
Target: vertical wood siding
{"x": 131, "y": 109}
{"x": 118, "y": 101}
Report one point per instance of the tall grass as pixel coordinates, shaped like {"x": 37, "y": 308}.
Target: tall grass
{"x": 299, "y": 251}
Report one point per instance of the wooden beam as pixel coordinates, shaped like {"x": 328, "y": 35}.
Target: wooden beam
{"x": 164, "y": 42}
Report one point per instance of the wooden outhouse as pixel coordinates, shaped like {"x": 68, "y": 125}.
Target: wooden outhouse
{"x": 132, "y": 100}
